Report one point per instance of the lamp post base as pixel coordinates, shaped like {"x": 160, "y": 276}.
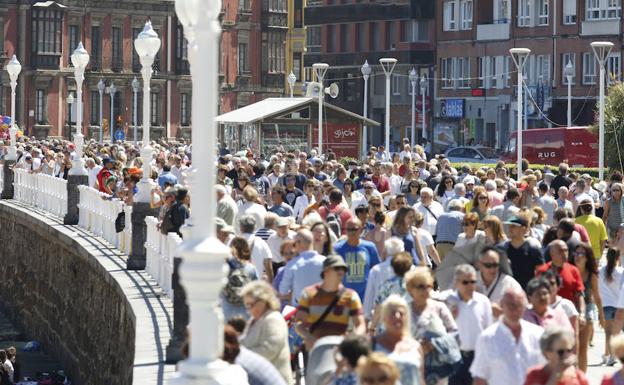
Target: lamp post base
{"x": 73, "y": 197}
{"x": 8, "y": 176}
{"x": 140, "y": 210}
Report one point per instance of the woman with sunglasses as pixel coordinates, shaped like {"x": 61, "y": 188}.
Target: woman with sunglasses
{"x": 471, "y": 234}
{"x": 445, "y": 190}
{"x": 587, "y": 265}
{"x": 413, "y": 192}
{"x": 612, "y": 215}
{"x": 557, "y": 345}
{"x": 480, "y": 203}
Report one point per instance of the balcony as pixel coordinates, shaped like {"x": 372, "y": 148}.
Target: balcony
{"x": 46, "y": 61}
{"x": 494, "y": 31}
{"x": 600, "y": 27}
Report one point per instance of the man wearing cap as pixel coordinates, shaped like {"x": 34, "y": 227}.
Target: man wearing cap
{"x": 595, "y": 227}
{"x": 522, "y": 256}
{"x": 225, "y": 232}
{"x": 282, "y": 233}
{"x": 344, "y": 305}
{"x": 104, "y": 174}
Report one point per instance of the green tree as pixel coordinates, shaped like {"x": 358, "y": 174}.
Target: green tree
{"x": 614, "y": 126}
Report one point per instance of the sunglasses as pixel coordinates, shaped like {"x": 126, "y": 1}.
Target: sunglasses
{"x": 249, "y": 305}
{"x": 422, "y": 287}
{"x": 490, "y": 265}
{"x": 375, "y": 380}
{"x": 563, "y": 352}
{"x": 353, "y": 229}
{"x": 580, "y": 254}
{"x": 483, "y": 198}
{"x": 469, "y": 282}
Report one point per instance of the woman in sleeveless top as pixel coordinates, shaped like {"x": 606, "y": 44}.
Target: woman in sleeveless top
{"x": 402, "y": 228}
{"x": 613, "y": 210}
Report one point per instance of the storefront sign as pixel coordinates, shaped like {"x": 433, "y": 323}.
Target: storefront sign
{"x": 452, "y": 108}
{"x": 343, "y": 139}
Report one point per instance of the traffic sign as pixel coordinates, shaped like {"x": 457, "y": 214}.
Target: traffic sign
{"x": 120, "y": 135}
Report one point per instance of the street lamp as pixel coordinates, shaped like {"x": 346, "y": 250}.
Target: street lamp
{"x": 80, "y": 59}
{"x": 135, "y": 91}
{"x": 202, "y": 270}
{"x": 70, "y": 102}
{"x": 101, "y": 87}
{"x": 519, "y": 56}
{"x": 423, "y": 92}
{"x": 413, "y": 78}
{"x": 388, "y": 65}
{"x": 568, "y": 72}
{"x": 601, "y": 51}
{"x": 291, "y": 82}
{"x": 366, "y": 71}
{"x": 147, "y": 45}
{"x": 13, "y": 68}
{"x": 320, "y": 69}
{"x": 111, "y": 91}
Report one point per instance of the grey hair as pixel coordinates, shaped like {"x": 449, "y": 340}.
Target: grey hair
{"x": 394, "y": 246}
{"x": 463, "y": 269}
{"x": 305, "y": 236}
{"x": 247, "y": 224}
{"x": 426, "y": 190}
{"x": 260, "y": 290}
{"x": 490, "y": 185}
{"x": 394, "y": 301}
{"x": 460, "y": 187}
{"x": 455, "y": 205}
{"x": 553, "y": 334}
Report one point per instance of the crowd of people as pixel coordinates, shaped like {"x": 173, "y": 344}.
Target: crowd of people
{"x": 411, "y": 270}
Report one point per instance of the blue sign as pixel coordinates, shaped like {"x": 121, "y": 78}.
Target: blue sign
{"x": 120, "y": 135}
{"x": 452, "y": 108}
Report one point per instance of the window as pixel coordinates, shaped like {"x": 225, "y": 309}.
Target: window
{"x": 117, "y": 60}
{"x": 507, "y": 70}
{"x": 463, "y": 72}
{"x": 96, "y": 48}
{"x": 542, "y": 70}
{"x": 331, "y": 38}
{"x": 277, "y": 6}
{"x": 345, "y": 37}
{"x": 375, "y": 36}
{"x": 565, "y": 59}
{"x": 614, "y": 67}
{"x": 40, "y": 107}
{"x": 297, "y": 66}
{"x": 486, "y": 66}
{"x": 503, "y": 13}
{"x": 603, "y": 9}
{"x": 298, "y": 5}
{"x": 450, "y": 18}
{"x": 243, "y": 60}
{"x": 466, "y": 14}
{"x": 360, "y": 32}
{"x": 313, "y": 38}
{"x": 481, "y": 69}
{"x": 569, "y": 11}
{"x": 391, "y": 35}
{"x": 415, "y": 30}
{"x": 589, "y": 68}
{"x": 136, "y": 63}
{"x": 524, "y": 13}
{"x": 448, "y": 72}
{"x": 542, "y": 12}
{"x": 276, "y": 52}
{"x": 94, "y": 101}
{"x": 181, "y": 51}
{"x": 396, "y": 84}
{"x": 155, "y": 109}
{"x": 74, "y": 39}
{"x": 593, "y": 9}
{"x": 185, "y": 110}
{"x": 47, "y": 27}
{"x": 614, "y": 8}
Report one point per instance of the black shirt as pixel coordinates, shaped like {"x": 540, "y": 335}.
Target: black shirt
{"x": 523, "y": 261}
{"x": 558, "y": 182}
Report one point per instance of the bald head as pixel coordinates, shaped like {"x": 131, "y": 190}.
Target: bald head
{"x": 513, "y": 302}
{"x": 354, "y": 229}
{"x": 558, "y": 251}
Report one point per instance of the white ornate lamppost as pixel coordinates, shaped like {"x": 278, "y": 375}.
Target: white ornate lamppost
{"x": 519, "y": 56}
{"x": 13, "y": 68}
{"x": 423, "y": 93}
{"x": 366, "y": 71}
{"x": 413, "y": 78}
{"x": 388, "y": 65}
{"x": 70, "y": 104}
{"x": 101, "y": 87}
{"x": 320, "y": 69}
{"x": 203, "y": 255}
{"x": 80, "y": 59}
{"x": 601, "y": 51}
{"x": 112, "y": 90}
{"x": 147, "y": 45}
{"x": 568, "y": 72}
{"x": 291, "y": 82}
{"x": 135, "y": 91}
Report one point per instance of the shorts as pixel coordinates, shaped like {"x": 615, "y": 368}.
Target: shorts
{"x": 609, "y": 313}
{"x": 591, "y": 312}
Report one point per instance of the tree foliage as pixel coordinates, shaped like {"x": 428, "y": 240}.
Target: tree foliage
{"x": 614, "y": 126}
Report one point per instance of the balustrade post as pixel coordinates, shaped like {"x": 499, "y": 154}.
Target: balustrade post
{"x": 180, "y": 316}
{"x": 136, "y": 258}
{"x": 73, "y": 197}
{"x": 8, "y": 175}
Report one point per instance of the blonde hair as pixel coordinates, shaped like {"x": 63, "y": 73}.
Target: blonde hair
{"x": 395, "y": 301}
{"x": 261, "y": 291}
{"x": 419, "y": 273}
{"x": 377, "y": 360}
{"x": 250, "y": 194}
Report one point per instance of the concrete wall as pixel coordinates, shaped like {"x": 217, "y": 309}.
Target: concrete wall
{"x": 69, "y": 291}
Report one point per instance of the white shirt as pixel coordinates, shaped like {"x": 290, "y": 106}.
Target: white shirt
{"x": 93, "y": 172}
{"x": 548, "y": 204}
{"x": 379, "y": 274}
{"x": 301, "y": 203}
{"x": 566, "y": 305}
{"x": 610, "y": 291}
{"x": 473, "y": 317}
{"x": 497, "y": 287}
{"x": 259, "y": 252}
{"x": 430, "y": 222}
{"x": 501, "y": 360}
{"x": 275, "y": 242}
{"x": 250, "y": 208}
{"x": 426, "y": 240}
{"x": 463, "y": 241}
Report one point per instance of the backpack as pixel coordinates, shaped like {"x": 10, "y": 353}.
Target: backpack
{"x": 237, "y": 278}
{"x": 334, "y": 222}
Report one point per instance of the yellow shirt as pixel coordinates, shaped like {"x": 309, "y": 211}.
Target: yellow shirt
{"x": 597, "y": 232}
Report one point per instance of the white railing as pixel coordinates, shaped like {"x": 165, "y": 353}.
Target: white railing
{"x": 98, "y": 213}
{"x": 160, "y": 251}
{"x": 40, "y": 190}
{"x": 1, "y": 177}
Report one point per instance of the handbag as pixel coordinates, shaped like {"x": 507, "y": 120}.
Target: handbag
{"x": 120, "y": 222}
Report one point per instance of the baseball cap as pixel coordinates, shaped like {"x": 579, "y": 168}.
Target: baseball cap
{"x": 107, "y": 160}
{"x": 469, "y": 180}
{"x": 333, "y": 261}
{"x": 517, "y": 221}
{"x": 282, "y": 221}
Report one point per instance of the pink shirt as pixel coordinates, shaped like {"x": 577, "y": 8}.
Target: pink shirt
{"x": 552, "y": 317}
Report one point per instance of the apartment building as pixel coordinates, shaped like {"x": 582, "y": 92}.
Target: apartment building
{"x": 476, "y": 79}
{"x": 346, "y": 33}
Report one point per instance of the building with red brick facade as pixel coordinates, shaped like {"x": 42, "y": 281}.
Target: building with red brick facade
{"x": 476, "y": 76}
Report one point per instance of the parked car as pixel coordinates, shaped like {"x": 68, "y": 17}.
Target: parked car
{"x": 472, "y": 154}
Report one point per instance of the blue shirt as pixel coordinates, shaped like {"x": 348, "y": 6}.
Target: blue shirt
{"x": 167, "y": 177}
{"x": 359, "y": 259}
{"x": 449, "y": 226}
{"x": 283, "y": 210}
{"x": 300, "y": 272}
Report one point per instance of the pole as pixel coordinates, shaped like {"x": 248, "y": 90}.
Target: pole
{"x": 569, "y": 101}
{"x": 519, "y": 130}
{"x": 424, "y": 114}
{"x": 365, "y": 132}
{"x": 112, "y": 116}
{"x": 320, "y": 116}
{"x": 13, "y": 130}
{"x": 601, "y": 143}
{"x": 135, "y": 116}
{"x": 413, "y": 113}
{"x": 101, "y": 116}
{"x": 388, "y": 116}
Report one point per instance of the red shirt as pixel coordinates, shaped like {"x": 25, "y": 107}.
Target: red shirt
{"x": 381, "y": 182}
{"x": 539, "y": 376}
{"x": 582, "y": 232}
{"x": 345, "y": 214}
{"x": 101, "y": 178}
{"x": 571, "y": 280}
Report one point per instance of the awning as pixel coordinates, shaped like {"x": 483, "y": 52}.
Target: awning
{"x": 46, "y": 4}
{"x": 275, "y": 107}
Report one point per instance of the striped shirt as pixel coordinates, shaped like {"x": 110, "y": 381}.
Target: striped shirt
{"x": 315, "y": 300}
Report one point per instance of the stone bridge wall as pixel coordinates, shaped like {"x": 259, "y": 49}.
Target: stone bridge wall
{"x": 69, "y": 291}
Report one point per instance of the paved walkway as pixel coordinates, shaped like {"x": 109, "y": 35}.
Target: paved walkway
{"x": 595, "y": 371}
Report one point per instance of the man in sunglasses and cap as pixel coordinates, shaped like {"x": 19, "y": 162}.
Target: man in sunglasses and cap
{"x": 326, "y": 308}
